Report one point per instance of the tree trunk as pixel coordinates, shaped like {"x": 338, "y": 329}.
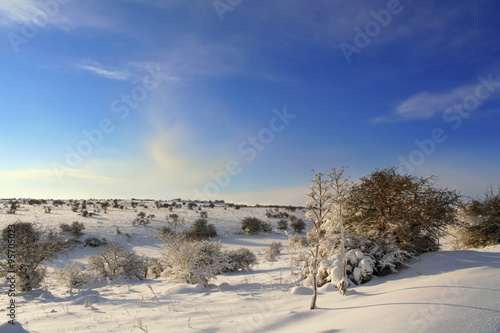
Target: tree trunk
{"x": 315, "y": 268}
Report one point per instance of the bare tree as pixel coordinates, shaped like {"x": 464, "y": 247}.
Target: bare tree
{"x": 319, "y": 207}
{"x": 340, "y": 188}
{"x": 405, "y": 210}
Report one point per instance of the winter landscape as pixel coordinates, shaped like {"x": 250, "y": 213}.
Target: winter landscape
{"x": 178, "y": 166}
{"x": 443, "y": 291}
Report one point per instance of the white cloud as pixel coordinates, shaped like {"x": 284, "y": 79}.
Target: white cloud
{"x": 50, "y": 176}
{"x": 18, "y": 11}
{"x": 105, "y": 71}
{"x": 425, "y": 105}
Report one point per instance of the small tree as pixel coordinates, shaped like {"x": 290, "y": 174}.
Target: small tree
{"x": 318, "y": 212}
{"x": 201, "y": 229}
{"x": 31, "y": 247}
{"x": 408, "y": 211}
{"x": 322, "y": 210}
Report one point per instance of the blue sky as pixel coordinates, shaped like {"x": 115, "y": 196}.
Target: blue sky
{"x": 239, "y": 100}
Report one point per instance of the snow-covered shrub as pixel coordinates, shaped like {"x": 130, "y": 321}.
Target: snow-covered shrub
{"x": 239, "y": 259}
{"x": 155, "y": 268}
{"x": 74, "y": 276}
{"x": 75, "y": 229}
{"x": 282, "y": 225}
{"x": 297, "y": 225}
{"x": 94, "y": 242}
{"x": 273, "y": 250}
{"x": 115, "y": 261}
{"x": 254, "y": 225}
{"x": 201, "y": 229}
{"x": 193, "y": 262}
{"x": 163, "y": 233}
{"x": 479, "y": 222}
{"x": 31, "y": 246}
{"x": 297, "y": 241}
{"x": 141, "y": 219}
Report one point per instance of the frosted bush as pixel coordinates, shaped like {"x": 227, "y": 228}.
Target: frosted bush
{"x": 32, "y": 247}
{"x": 115, "y": 261}
{"x": 273, "y": 250}
{"x": 193, "y": 262}
{"x": 239, "y": 259}
{"x": 74, "y": 276}
{"x": 297, "y": 241}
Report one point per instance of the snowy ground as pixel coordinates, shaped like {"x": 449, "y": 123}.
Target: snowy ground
{"x": 442, "y": 292}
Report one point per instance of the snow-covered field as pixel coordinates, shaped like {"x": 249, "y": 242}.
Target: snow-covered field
{"x": 444, "y": 291}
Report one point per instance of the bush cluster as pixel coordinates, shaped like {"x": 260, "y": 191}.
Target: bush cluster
{"x": 254, "y": 225}
{"x": 201, "y": 229}
{"x": 75, "y": 229}
{"x": 115, "y": 261}
{"x": 198, "y": 261}
{"x": 480, "y": 222}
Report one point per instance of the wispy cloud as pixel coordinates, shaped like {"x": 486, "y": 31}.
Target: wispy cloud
{"x": 18, "y": 11}
{"x": 49, "y": 176}
{"x": 426, "y": 105}
{"x": 105, "y": 71}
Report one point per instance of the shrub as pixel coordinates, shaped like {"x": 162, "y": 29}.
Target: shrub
{"x": 298, "y": 225}
{"x": 253, "y": 225}
{"x": 480, "y": 222}
{"x": 193, "y": 262}
{"x": 281, "y": 215}
{"x": 239, "y": 259}
{"x": 163, "y": 233}
{"x": 115, "y": 261}
{"x": 282, "y": 225}
{"x": 141, "y": 219}
{"x": 404, "y": 210}
{"x": 204, "y": 215}
{"x": 14, "y": 205}
{"x": 73, "y": 276}
{"x": 273, "y": 250}
{"x": 75, "y": 229}
{"x": 32, "y": 247}
{"x": 297, "y": 241}
{"x": 202, "y": 230}
{"x": 94, "y": 242}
